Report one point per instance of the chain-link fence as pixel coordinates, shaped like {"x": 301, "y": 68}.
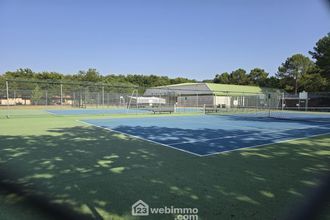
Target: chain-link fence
{"x": 312, "y": 101}
{"x": 20, "y": 95}
{"x": 66, "y": 94}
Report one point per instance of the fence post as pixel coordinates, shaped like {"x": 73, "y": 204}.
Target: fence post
{"x": 108, "y": 98}
{"x": 98, "y": 100}
{"x": 197, "y": 100}
{"x": 73, "y": 99}
{"x": 46, "y": 97}
{"x": 61, "y": 94}
{"x": 103, "y": 96}
{"x": 7, "y": 94}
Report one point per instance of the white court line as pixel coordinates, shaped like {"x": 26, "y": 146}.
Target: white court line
{"x": 141, "y": 138}
{"x": 234, "y": 136}
{"x": 251, "y": 128}
{"x": 51, "y": 112}
{"x": 204, "y": 155}
{"x": 233, "y": 126}
{"x": 260, "y": 145}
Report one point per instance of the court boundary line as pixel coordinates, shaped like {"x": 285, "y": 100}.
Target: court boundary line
{"x": 52, "y": 113}
{"x": 260, "y": 145}
{"x": 141, "y": 138}
{"x": 234, "y": 136}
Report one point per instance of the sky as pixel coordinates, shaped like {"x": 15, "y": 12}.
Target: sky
{"x": 176, "y": 38}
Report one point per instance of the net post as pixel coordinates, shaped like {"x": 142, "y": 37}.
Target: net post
{"x": 204, "y": 109}
{"x": 268, "y": 103}
{"x": 174, "y": 108}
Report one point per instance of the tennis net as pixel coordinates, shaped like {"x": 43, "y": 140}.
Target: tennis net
{"x": 318, "y": 115}
{"x": 313, "y": 114}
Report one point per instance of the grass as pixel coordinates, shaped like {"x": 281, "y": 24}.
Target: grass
{"x": 100, "y": 174}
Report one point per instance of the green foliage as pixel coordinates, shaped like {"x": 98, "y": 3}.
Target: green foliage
{"x": 223, "y": 78}
{"x": 2, "y": 83}
{"x": 239, "y": 77}
{"x": 297, "y": 73}
{"x": 321, "y": 54}
{"x": 272, "y": 82}
{"x": 20, "y": 73}
{"x": 207, "y": 81}
{"x": 36, "y": 95}
{"x": 91, "y": 75}
{"x": 258, "y": 77}
{"x": 292, "y": 70}
{"x": 48, "y": 75}
{"x": 313, "y": 82}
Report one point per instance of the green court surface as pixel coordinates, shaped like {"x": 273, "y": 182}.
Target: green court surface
{"x": 100, "y": 173}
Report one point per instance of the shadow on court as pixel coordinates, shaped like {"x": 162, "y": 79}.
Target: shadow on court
{"x": 100, "y": 174}
{"x": 211, "y": 135}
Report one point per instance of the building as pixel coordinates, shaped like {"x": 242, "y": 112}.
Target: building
{"x": 214, "y": 94}
{"x": 15, "y": 101}
{"x": 145, "y": 101}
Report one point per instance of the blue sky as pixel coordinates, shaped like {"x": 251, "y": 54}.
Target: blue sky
{"x": 186, "y": 38}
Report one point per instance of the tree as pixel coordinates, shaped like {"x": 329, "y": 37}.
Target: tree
{"x": 222, "y": 78}
{"x": 292, "y": 70}
{"x": 181, "y": 80}
{"x": 258, "y": 77}
{"x": 208, "y": 80}
{"x": 321, "y": 54}
{"x": 272, "y": 82}
{"x": 20, "y": 73}
{"x": 313, "y": 82}
{"x": 91, "y": 75}
{"x": 2, "y": 83}
{"x": 36, "y": 95}
{"x": 48, "y": 76}
{"x": 239, "y": 77}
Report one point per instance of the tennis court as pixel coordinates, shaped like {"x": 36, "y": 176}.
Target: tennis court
{"x": 204, "y": 135}
{"x": 231, "y": 155}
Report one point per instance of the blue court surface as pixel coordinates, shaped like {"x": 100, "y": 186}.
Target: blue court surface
{"x": 204, "y": 135}
{"x": 95, "y": 111}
